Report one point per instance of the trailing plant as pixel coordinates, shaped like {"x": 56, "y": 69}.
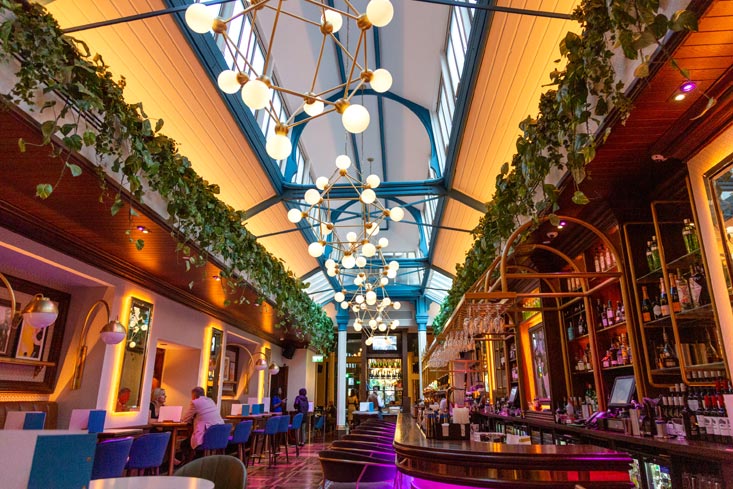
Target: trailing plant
{"x": 563, "y": 135}
{"x": 147, "y": 160}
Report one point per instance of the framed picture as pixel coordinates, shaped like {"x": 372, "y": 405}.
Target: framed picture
{"x": 30, "y": 342}
{"x": 540, "y": 365}
{"x": 7, "y": 333}
{"x": 137, "y": 334}
{"x": 226, "y": 369}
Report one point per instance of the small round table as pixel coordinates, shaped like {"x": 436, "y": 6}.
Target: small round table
{"x": 152, "y": 482}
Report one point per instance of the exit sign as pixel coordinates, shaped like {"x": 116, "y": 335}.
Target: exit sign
{"x": 317, "y": 359}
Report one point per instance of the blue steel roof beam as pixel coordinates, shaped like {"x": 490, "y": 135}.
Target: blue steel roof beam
{"x": 467, "y": 200}
{"x": 380, "y": 105}
{"x": 482, "y": 22}
{"x": 294, "y": 191}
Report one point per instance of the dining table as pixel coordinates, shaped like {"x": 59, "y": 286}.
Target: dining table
{"x": 177, "y": 429}
{"x": 257, "y": 419}
{"x": 151, "y": 482}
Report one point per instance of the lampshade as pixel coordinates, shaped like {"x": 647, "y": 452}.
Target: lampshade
{"x": 40, "y": 312}
{"x": 392, "y": 274}
{"x": 331, "y": 272}
{"x": 358, "y": 281}
{"x": 348, "y": 261}
{"x": 274, "y": 369}
{"x": 295, "y": 215}
{"x": 260, "y": 364}
{"x": 373, "y": 181}
{"x": 279, "y": 146}
{"x": 386, "y": 301}
{"x": 383, "y": 242}
{"x": 315, "y": 108}
{"x": 113, "y": 332}
{"x": 393, "y": 325}
{"x": 355, "y": 118}
{"x": 228, "y": 81}
{"x": 199, "y": 18}
{"x": 339, "y": 296}
{"x": 361, "y": 261}
{"x": 383, "y": 280}
{"x": 396, "y": 214}
{"x": 312, "y": 196}
{"x": 379, "y": 12}
{"x": 333, "y": 18}
{"x": 381, "y": 80}
{"x": 256, "y": 94}
{"x": 343, "y": 162}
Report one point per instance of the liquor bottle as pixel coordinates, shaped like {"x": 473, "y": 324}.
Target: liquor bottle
{"x": 683, "y": 290}
{"x": 619, "y": 312}
{"x": 663, "y": 304}
{"x": 646, "y": 306}
{"x": 609, "y": 313}
{"x": 689, "y": 418}
{"x": 649, "y": 256}
{"x": 609, "y": 258}
{"x": 723, "y": 421}
{"x": 602, "y": 318}
{"x": 656, "y": 309}
{"x": 668, "y": 355}
{"x": 711, "y": 353}
{"x": 571, "y": 331}
{"x": 602, "y": 260}
{"x": 596, "y": 261}
{"x": 655, "y": 253}
{"x": 674, "y": 294}
{"x": 625, "y": 357}
{"x": 582, "y": 329}
{"x": 698, "y": 286}
{"x": 689, "y": 235}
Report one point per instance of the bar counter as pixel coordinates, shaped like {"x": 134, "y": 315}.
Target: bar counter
{"x": 497, "y": 465}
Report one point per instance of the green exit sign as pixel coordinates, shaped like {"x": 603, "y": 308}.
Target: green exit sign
{"x": 317, "y": 359}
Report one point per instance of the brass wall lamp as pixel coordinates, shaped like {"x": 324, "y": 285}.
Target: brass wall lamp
{"x": 40, "y": 312}
{"x": 111, "y": 333}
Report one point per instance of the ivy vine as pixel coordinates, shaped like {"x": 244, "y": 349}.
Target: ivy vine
{"x": 135, "y": 148}
{"x": 562, "y": 136}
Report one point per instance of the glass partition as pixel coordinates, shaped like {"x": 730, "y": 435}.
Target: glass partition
{"x": 133, "y": 362}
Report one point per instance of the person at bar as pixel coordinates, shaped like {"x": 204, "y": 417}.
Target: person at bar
{"x": 123, "y": 397}
{"x": 204, "y": 412}
{"x": 301, "y": 405}
{"x": 157, "y": 400}
{"x": 278, "y": 402}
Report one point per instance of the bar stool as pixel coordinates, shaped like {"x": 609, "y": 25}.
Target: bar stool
{"x": 295, "y": 426}
{"x": 216, "y": 439}
{"x": 282, "y": 432}
{"x": 265, "y": 436}
{"x": 147, "y": 453}
{"x": 242, "y": 432}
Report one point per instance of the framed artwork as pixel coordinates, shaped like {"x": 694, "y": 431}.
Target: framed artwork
{"x": 540, "y": 365}
{"x": 227, "y": 377}
{"x": 7, "y": 333}
{"x": 30, "y": 342}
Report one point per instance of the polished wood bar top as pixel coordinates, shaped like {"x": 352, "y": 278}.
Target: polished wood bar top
{"x": 682, "y": 447}
{"x": 498, "y": 465}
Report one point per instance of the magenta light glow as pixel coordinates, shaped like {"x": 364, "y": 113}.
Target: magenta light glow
{"x": 688, "y": 86}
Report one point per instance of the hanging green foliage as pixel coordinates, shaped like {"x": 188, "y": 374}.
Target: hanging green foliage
{"x": 145, "y": 158}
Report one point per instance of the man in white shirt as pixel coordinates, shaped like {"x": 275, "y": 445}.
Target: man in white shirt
{"x": 204, "y": 412}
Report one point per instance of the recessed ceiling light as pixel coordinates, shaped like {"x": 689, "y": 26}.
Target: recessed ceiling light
{"x": 679, "y": 97}
{"x": 216, "y": 277}
{"x": 688, "y": 86}
{"x": 143, "y": 229}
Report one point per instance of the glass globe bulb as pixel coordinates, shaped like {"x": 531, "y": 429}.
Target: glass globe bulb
{"x": 361, "y": 261}
{"x": 371, "y": 295}
{"x": 359, "y": 298}
{"x": 373, "y": 230}
{"x": 379, "y": 12}
{"x": 363, "y": 307}
{"x": 394, "y": 265}
{"x": 295, "y": 215}
{"x": 326, "y": 228}
{"x": 228, "y": 82}
{"x": 381, "y": 80}
{"x": 393, "y": 326}
{"x": 315, "y": 249}
{"x": 314, "y": 109}
{"x": 279, "y": 146}
{"x": 330, "y": 263}
{"x": 343, "y": 162}
{"x": 348, "y": 261}
{"x": 355, "y": 118}
{"x": 372, "y": 323}
{"x": 397, "y": 305}
{"x": 373, "y": 181}
{"x": 368, "y": 196}
{"x": 256, "y": 94}
{"x": 358, "y": 281}
{"x": 382, "y": 327}
{"x": 357, "y": 327}
{"x": 351, "y": 236}
{"x": 369, "y": 341}
{"x": 199, "y": 18}
{"x": 344, "y": 305}
{"x": 386, "y": 301}
{"x": 331, "y": 272}
{"x": 355, "y": 308}
{"x": 392, "y": 274}
{"x": 383, "y": 242}
{"x": 321, "y": 183}
{"x": 383, "y": 281}
{"x": 396, "y": 322}
{"x": 396, "y": 214}
{"x": 339, "y": 296}
{"x": 368, "y": 250}
{"x": 334, "y": 18}
{"x": 312, "y": 196}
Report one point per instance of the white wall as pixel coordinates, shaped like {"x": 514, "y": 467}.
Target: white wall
{"x": 302, "y": 373}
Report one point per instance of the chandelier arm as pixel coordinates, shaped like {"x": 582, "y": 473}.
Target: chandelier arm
{"x": 361, "y": 83}
{"x": 233, "y": 51}
{"x": 295, "y": 16}
{"x": 323, "y": 6}
{"x": 318, "y": 64}
{"x": 246, "y": 11}
{"x": 272, "y": 37}
{"x": 333, "y": 89}
{"x": 251, "y": 38}
{"x": 349, "y": 5}
{"x": 303, "y": 121}
{"x": 292, "y": 116}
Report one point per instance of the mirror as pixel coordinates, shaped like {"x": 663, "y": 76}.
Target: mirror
{"x": 720, "y": 194}
{"x": 133, "y": 362}
{"x": 215, "y": 352}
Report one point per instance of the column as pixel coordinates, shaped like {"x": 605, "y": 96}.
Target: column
{"x": 421, "y": 318}
{"x": 342, "y": 320}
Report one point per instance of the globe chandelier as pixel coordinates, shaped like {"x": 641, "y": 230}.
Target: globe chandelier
{"x": 256, "y": 86}
{"x": 353, "y": 245}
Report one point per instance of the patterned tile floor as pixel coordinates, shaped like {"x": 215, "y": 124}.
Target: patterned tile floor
{"x": 302, "y": 472}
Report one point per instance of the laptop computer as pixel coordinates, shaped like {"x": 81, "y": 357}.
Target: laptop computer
{"x": 170, "y": 413}
{"x": 365, "y": 406}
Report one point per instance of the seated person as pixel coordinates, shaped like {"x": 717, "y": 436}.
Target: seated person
{"x": 330, "y": 416}
{"x": 156, "y": 401}
{"x": 123, "y": 397}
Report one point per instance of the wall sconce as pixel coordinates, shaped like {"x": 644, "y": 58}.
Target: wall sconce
{"x": 40, "y": 312}
{"x": 111, "y": 333}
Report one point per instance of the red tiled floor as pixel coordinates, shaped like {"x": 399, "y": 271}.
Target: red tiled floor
{"x": 302, "y": 472}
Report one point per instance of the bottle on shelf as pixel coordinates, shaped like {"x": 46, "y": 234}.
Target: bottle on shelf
{"x": 582, "y": 329}
{"x": 674, "y": 294}
{"x": 668, "y": 355}
{"x": 689, "y": 235}
{"x": 610, "y": 261}
{"x": 620, "y": 313}
{"x": 597, "y": 261}
{"x": 663, "y": 301}
{"x": 655, "y": 254}
{"x": 610, "y": 316}
{"x": 602, "y": 319}
{"x": 646, "y": 306}
{"x": 683, "y": 291}
{"x": 698, "y": 286}
{"x": 649, "y": 256}
{"x": 602, "y": 260}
